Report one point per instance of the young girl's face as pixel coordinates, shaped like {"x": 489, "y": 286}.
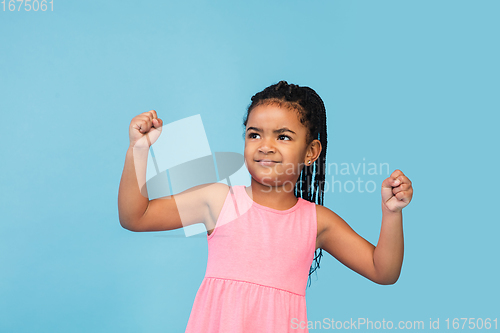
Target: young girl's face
{"x": 275, "y": 145}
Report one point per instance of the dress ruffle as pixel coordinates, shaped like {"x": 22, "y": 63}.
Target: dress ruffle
{"x": 228, "y": 306}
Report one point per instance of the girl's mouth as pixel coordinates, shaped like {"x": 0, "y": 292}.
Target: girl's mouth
{"x": 266, "y": 162}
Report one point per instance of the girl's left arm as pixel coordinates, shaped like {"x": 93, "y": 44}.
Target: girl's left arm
{"x": 381, "y": 264}
{"x": 397, "y": 193}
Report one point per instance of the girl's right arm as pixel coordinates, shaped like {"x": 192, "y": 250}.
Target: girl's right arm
{"x": 136, "y": 211}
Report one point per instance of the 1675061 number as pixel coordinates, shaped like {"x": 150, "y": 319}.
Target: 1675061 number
{"x": 471, "y": 323}
{"x": 29, "y": 5}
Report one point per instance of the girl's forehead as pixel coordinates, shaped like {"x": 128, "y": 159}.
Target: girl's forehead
{"x": 264, "y": 116}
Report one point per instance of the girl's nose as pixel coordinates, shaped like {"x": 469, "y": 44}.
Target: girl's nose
{"x": 267, "y": 148}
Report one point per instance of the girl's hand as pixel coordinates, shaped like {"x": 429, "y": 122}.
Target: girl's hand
{"x": 144, "y": 129}
{"x": 396, "y": 192}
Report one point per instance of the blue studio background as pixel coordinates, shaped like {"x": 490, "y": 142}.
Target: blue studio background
{"x": 411, "y": 84}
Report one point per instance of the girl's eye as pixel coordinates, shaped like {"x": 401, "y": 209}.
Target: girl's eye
{"x": 253, "y": 136}
{"x": 284, "y": 137}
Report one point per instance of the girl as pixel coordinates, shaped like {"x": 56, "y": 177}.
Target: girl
{"x": 264, "y": 241}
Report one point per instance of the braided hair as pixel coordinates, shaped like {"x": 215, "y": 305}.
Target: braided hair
{"x": 312, "y": 114}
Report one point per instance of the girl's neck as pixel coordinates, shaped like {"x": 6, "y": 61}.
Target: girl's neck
{"x": 275, "y": 197}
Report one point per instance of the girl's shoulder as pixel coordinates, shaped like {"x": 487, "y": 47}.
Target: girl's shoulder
{"x": 215, "y": 195}
{"x": 327, "y": 219}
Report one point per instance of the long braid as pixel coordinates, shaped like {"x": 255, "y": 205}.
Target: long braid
{"x": 312, "y": 113}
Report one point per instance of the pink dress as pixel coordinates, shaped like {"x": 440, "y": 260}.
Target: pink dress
{"x": 257, "y": 269}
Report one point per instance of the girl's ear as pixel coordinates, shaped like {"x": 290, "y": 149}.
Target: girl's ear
{"x": 313, "y": 152}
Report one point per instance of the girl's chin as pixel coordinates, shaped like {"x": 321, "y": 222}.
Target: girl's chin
{"x": 274, "y": 181}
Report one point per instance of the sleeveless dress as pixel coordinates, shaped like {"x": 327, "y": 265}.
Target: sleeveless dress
{"x": 257, "y": 269}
